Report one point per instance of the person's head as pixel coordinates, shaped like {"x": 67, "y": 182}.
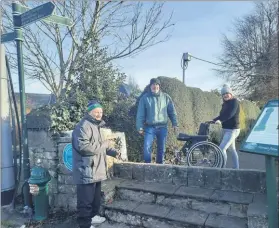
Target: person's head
{"x": 95, "y": 109}
{"x": 155, "y": 85}
{"x": 226, "y": 92}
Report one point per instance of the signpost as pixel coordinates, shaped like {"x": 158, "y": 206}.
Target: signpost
{"x": 23, "y": 16}
{"x": 263, "y": 139}
{"x": 50, "y": 19}
{"x": 22, "y": 19}
{"x": 8, "y": 37}
{"x": 34, "y": 14}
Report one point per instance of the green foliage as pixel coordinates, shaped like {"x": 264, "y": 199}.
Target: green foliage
{"x": 119, "y": 120}
{"x": 192, "y": 104}
{"x": 248, "y": 114}
{"x": 242, "y": 118}
{"x": 217, "y": 92}
{"x": 193, "y": 107}
{"x": 66, "y": 114}
{"x": 95, "y": 79}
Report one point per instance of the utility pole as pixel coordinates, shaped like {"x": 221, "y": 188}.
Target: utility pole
{"x": 186, "y": 57}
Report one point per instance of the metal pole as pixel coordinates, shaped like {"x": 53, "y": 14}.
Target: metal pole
{"x": 26, "y": 161}
{"x": 271, "y": 190}
{"x": 183, "y": 72}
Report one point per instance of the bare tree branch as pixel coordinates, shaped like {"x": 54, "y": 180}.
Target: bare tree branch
{"x": 253, "y": 51}
{"x": 56, "y": 52}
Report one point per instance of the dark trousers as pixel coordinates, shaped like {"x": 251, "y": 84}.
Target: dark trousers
{"x": 88, "y": 203}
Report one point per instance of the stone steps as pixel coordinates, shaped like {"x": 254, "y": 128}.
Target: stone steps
{"x": 211, "y": 201}
{"x": 151, "y": 205}
{"x": 150, "y": 215}
{"x": 226, "y": 195}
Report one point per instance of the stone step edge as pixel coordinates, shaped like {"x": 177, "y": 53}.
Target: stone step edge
{"x": 189, "y": 207}
{"x": 141, "y": 189}
{"x": 113, "y": 224}
{"x": 162, "y": 218}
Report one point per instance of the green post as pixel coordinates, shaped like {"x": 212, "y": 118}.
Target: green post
{"x": 271, "y": 188}
{"x": 26, "y": 162}
{"x": 39, "y": 178}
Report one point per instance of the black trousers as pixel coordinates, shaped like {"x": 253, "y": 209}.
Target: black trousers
{"x": 88, "y": 203}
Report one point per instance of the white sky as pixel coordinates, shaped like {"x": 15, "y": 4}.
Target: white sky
{"x": 198, "y": 30}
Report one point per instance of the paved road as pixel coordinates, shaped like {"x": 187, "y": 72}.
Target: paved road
{"x": 248, "y": 161}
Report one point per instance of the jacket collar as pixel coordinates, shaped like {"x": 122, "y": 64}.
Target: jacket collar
{"x": 94, "y": 121}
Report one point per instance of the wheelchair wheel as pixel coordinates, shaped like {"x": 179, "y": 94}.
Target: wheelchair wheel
{"x": 205, "y": 154}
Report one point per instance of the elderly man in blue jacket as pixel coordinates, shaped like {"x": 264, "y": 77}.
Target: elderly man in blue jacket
{"x": 155, "y": 107}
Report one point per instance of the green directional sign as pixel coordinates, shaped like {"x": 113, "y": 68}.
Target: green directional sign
{"x": 51, "y": 19}
{"x": 8, "y": 37}
{"x": 34, "y": 14}
{"x": 58, "y": 20}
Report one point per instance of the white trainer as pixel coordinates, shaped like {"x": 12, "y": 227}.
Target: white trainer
{"x": 98, "y": 219}
{"x": 92, "y": 226}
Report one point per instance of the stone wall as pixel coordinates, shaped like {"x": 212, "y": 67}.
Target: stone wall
{"x": 43, "y": 147}
{"x": 62, "y": 191}
{"x": 212, "y": 178}
{"x": 66, "y": 197}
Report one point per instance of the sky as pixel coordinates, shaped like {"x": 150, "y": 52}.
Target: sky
{"x": 198, "y": 30}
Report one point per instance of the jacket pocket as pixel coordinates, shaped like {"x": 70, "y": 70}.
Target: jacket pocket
{"x": 86, "y": 171}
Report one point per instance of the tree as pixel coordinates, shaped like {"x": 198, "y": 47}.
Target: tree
{"x": 135, "y": 89}
{"x": 95, "y": 79}
{"x": 250, "y": 59}
{"x": 53, "y": 53}
{"x": 216, "y": 91}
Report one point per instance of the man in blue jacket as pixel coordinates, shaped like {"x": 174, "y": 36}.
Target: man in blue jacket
{"x": 152, "y": 118}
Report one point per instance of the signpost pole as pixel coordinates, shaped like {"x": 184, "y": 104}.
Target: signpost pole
{"x": 23, "y": 16}
{"x": 271, "y": 189}
{"x": 26, "y": 160}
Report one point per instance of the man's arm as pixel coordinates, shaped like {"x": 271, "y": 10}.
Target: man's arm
{"x": 140, "y": 115}
{"x": 84, "y": 144}
{"x": 172, "y": 112}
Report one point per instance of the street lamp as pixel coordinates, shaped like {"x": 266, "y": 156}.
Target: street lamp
{"x": 186, "y": 57}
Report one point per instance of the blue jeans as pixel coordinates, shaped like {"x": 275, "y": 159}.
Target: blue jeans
{"x": 149, "y": 135}
{"x": 228, "y": 143}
